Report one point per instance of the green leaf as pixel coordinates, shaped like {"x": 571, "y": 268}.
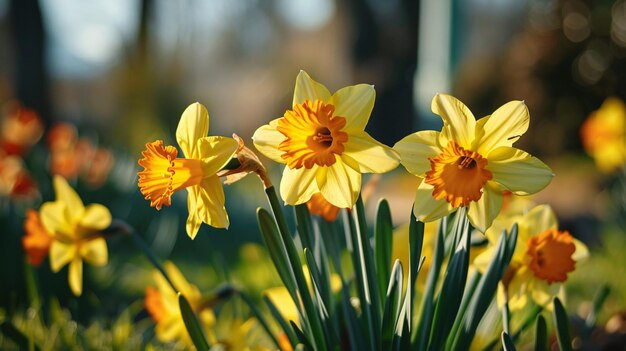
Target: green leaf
{"x": 416, "y": 241}
{"x": 485, "y": 290}
{"x": 562, "y": 326}
{"x": 11, "y": 332}
{"x": 541, "y": 334}
{"x": 453, "y": 284}
{"x": 293, "y": 339}
{"x": 365, "y": 278}
{"x": 383, "y": 238}
{"x": 392, "y": 305}
{"x": 304, "y": 226}
{"x": 598, "y": 301}
{"x": 507, "y": 343}
{"x": 311, "y": 321}
{"x": 274, "y": 245}
{"x": 427, "y": 310}
{"x": 301, "y": 337}
{"x": 191, "y": 323}
{"x": 259, "y": 316}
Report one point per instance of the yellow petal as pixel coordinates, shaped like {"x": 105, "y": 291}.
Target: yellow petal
{"x": 266, "y": 139}
{"x": 96, "y": 217}
{"x": 582, "y": 252}
{"x": 61, "y": 254}
{"x": 284, "y": 303}
{"x": 193, "y": 125}
{"x": 65, "y": 194}
{"x": 298, "y": 185}
{"x": 539, "y": 219}
{"x": 543, "y": 294}
{"x": 371, "y": 156}
{"x": 355, "y": 104}
{"x": 426, "y": 208}
{"x": 215, "y": 152}
{"x": 308, "y": 89}
{"x": 206, "y": 204}
{"x": 415, "y": 149}
{"x": 190, "y": 291}
{"x": 75, "y": 276}
{"x": 342, "y": 184}
{"x": 95, "y": 251}
{"x": 56, "y": 219}
{"x": 481, "y": 262}
{"x": 518, "y": 171}
{"x": 503, "y": 127}
{"x": 482, "y": 212}
{"x": 458, "y": 121}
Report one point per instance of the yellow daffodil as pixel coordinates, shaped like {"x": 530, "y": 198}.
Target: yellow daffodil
{"x": 469, "y": 163}
{"x": 162, "y": 305}
{"x": 323, "y": 143}
{"x": 75, "y": 229}
{"x": 164, "y": 173}
{"x": 604, "y": 135}
{"x": 543, "y": 257}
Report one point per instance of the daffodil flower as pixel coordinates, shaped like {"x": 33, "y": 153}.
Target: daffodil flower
{"x": 544, "y": 257}
{"x": 164, "y": 173}
{"x": 323, "y": 143}
{"x": 161, "y": 302}
{"x": 75, "y": 229}
{"x": 469, "y": 163}
{"x": 604, "y": 135}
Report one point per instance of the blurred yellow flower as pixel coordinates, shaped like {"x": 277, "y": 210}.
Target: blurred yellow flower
{"x": 469, "y": 163}
{"x": 543, "y": 257}
{"x": 323, "y": 143}
{"x": 604, "y": 135}
{"x": 164, "y": 173}
{"x": 162, "y": 305}
{"x": 76, "y": 232}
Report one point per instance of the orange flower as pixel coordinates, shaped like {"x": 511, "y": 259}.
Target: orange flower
{"x": 21, "y": 128}
{"x": 37, "y": 240}
{"x": 318, "y": 205}
{"x": 71, "y": 157}
{"x": 604, "y": 135}
{"x": 154, "y": 304}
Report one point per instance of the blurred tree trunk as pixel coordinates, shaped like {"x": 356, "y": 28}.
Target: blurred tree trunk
{"x": 31, "y": 85}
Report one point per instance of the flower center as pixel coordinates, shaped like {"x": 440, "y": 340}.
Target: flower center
{"x": 164, "y": 174}
{"x": 313, "y": 135}
{"x": 458, "y": 175}
{"x": 551, "y": 255}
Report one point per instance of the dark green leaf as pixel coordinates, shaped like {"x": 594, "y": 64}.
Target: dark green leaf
{"x": 192, "y": 324}
{"x": 383, "y": 237}
{"x": 507, "y": 343}
{"x": 293, "y": 339}
{"x": 392, "y": 305}
{"x": 423, "y": 331}
{"x": 453, "y": 284}
{"x": 541, "y": 334}
{"x": 562, "y": 326}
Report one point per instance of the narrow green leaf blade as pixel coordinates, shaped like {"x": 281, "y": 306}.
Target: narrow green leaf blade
{"x": 392, "y": 305}
{"x": 507, "y": 343}
{"x": 541, "y": 334}
{"x": 383, "y": 238}
{"x": 561, "y": 320}
{"x": 191, "y": 323}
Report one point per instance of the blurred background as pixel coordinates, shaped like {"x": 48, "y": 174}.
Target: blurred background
{"x": 107, "y": 76}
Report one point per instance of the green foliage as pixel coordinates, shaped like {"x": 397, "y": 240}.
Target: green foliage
{"x": 375, "y": 307}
